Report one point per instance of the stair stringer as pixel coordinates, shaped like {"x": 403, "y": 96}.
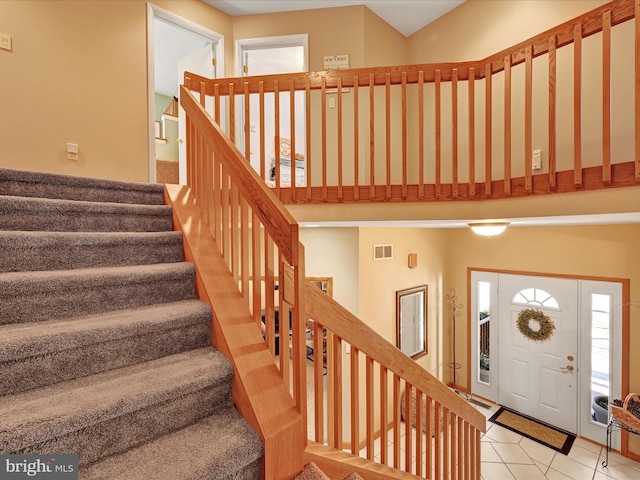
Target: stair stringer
{"x": 258, "y": 390}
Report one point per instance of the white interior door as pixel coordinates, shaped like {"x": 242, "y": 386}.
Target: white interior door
{"x": 540, "y": 378}
{"x": 200, "y": 62}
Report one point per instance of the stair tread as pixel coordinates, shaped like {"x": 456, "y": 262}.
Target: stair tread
{"x": 41, "y": 183}
{"x": 21, "y": 240}
{"x": 37, "y": 281}
{"x": 53, "y": 410}
{"x": 23, "y": 340}
{"x": 213, "y": 448}
{"x": 38, "y": 204}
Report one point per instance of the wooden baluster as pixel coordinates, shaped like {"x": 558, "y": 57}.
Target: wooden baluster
{"x": 256, "y": 267}
{"x": 244, "y": 247}
{"x": 319, "y": 368}
{"x": 232, "y": 113}
{"x": 438, "y": 430}
{"x": 408, "y": 429}
{"x": 420, "y": 134}
{"x": 225, "y": 214}
{"x": 263, "y": 156}
{"x": 370, "y": 407}
{"x": 577, "y": 106}
{"x": 404, "y": 135}
{"x": 217, "y": 207}
{"x": 247, "y": 123}
{"x": 438, "y": 139}
{"x": 476, "y": 454}
{"x": 397, "y": 419}
{"x": 418, "y": 453}
{"x": 552, "y": 113}
{"x": 324, "y": 138}
{"x": 216, "y": 103}
{"x": 606, "y": 98}
{"x": 337, "y": 392}
{"x": 507, "y": 125}
{"x": 472, "y": 133}
{"x": 308, "y": 136}
{"x": 430, "y": 426}
{"x": 203, "y": 95}
{"x": 528, "y": 120}
{"x": 355, "y": 401}
{"x": 459, "y": 458}
{"x": 384, "y": 413}
{"x": 356, "y": 141}
{"x": 233, "y": 230}
{"x": 454, "y": 133}
{"x": 488, "y": 119}
{"x": 292, "y": 137}
{"x": 339, "y": 124}
{"x": 637, "y": 91}
{"x": 467, "y": 451}
{"x": 269, "y": 289}
{"x": 446, "y": 438}
{"x": 283, "y": 324}
{"x": 331, "y": 406}
{"x": 387, "y": 109}
{"x": 372, "y": 136}
{"x": 299, "y": 342}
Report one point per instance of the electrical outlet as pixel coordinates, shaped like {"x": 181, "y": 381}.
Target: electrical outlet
{"x": 536, "y": 160}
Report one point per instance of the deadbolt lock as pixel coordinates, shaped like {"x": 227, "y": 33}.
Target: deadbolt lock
{"x": 570, "y": 358}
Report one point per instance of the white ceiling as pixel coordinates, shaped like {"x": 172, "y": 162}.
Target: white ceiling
{"x": 406, "y": 16}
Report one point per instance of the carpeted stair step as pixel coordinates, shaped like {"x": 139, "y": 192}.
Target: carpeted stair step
{"x": 42, "y": 214}
{"x": 37, "y": 251}
{"x": 36, "y": 354}
{"x": 48, "y": 295}
{"x": 108, "y": 413}
{"x": 220, "y": 447}
{"x": 19, "y": 183}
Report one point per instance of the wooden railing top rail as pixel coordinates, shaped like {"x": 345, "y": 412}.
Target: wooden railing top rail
{"x": 332, "y": 315}
{"x": 276, "y": 219}
{"x": 590, "y": 23}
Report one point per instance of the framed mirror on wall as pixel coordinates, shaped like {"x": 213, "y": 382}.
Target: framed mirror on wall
{"x": 411, "y": 321}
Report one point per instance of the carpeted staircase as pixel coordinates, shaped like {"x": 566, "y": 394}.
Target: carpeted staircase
{"x": 104, "y": 350}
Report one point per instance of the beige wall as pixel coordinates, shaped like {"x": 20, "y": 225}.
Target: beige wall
{"x": 78, "y": 73}
{"x": 479, "y": 28}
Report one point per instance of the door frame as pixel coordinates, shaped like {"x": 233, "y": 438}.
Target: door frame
{"x": 625, "y": 284}
{"x": 153, "y": 12}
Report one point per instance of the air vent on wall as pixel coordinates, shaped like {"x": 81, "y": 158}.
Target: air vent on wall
{"x": 382, "y": 252}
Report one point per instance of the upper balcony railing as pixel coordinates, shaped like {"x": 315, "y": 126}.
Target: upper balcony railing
{"x": 452, "y": 131}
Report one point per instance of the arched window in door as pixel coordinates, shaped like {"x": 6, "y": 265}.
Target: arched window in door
{"x": 535, "y": 297}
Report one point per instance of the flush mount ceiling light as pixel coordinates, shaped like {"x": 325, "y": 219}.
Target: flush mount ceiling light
{"x": 489, "y": 229}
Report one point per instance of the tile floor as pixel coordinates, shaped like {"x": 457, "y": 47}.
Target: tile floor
{"x": 506, "y": 455}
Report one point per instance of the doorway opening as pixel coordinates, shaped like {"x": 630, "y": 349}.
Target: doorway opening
{"x": 267, "y": 56}
{"x": 174, "y": 45}
{"x": 562, "y": 380}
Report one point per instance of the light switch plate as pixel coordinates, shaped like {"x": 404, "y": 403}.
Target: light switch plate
{"x": 5, "y": 42}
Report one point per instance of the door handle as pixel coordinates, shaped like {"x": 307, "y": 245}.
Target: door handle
{"x": 569, "y": 368}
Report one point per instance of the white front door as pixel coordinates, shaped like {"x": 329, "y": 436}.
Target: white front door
{"x": 539, "y": 378}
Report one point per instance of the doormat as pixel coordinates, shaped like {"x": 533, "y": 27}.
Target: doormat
{"x": 549, "y": 436}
